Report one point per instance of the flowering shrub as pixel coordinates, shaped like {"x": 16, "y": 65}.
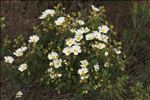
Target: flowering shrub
{"x": 71, "y": 52}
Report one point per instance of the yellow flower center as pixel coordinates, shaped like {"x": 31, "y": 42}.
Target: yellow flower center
{"x": 76, "y": 51}
{"x": 103, "y": 30}
{"x": 53, "y": 57}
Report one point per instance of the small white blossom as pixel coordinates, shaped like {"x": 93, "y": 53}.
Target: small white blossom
{"x": 67, "y": 51}
{"x": 82, "y": 30}
{"x": 60, "y": 21}
{"x": 117, "y": 51}
{"x": 23, "y": 67}
{"x": 96, "y": 67}
{"x": 52, "y": 55}
{"x": 80, "y": 22}
{"x": 46, "y": 13}
{"x": 76, "y": 49}
{"x": 70, "y": 41}
{"x": 86, "y": 29}
{"x": 57, "y": 63}
{"x": 84, "y": 63}
{"x": 50, "y": 70}
{"x": 106, "y": 53}
{"x": 59, "y": 75}
{"x": 103, "y": 38}
{"x": 94, "y": 8}
{"x": 82, "y": 71}
{"x": 103, "y": 29}
{"x": 83, "y": 77}
{"x": 78, "y": 37}
{"x": 19, "y": 94}
{"x": 99, "y": 45}
{"x": 51, "y": 64}
{"x": 34, "y": 38}
{"x": 19, "y": 52}
{"x": 8, "y": 59}
{"x": 96, "y": 34}
{"x": 89, "y": 36}
{"x": 79, "y": 31}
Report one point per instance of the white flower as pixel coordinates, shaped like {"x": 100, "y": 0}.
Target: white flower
{"x": 84, "y": 63}
{"x": 70, "y": 41}
{"x": 82, "y": 71}
{"x": 103, "y": 29}
{"x": 19, "y": 52}
{"x": 96, "y": 34}
{"x": 86, "y": 29}
{"x": 106, "y": 53}
{"x": 52, "y": 76}
{"x": 84, "y": 77}
{"x": 60, "y": 20}
{"x": 59, "y": 75}
{"x": 51, "y": 64}
{"x": 34, "y": 38}
{"x": 8, "y": 59}
{"x": 50, "y": 70}
{"x": 89, "y": 36}
{"x": 23, "y": 67}
{"x": 117, "y": 51}
{"x": 82, "y": 30}
{"x": 52, "y": 55}
{"x": 80, "y": 22}
{"x": 76, "y": 49}
{"x": 94, "y": 8}
{"x": 103, "y": 38}
{"x": 96, "y": 67}
{"x": 46, "y": 13}
{"x": 67, "y": 51}
{"x": 99, "y": 45}
{"x": 19, "y": 94}
{"x": 57, "y": 63}
{"x": 79, "y": 31}
{"x": 78, "y": 37}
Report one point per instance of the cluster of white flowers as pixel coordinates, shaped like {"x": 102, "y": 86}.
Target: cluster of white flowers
{"x": 46, "y": 13}
{"x": 23, "y": 67}
{"x": 8, "y": 59}
{"x": 19, "y": 94}
{"x": 33, "y": 39}
{"x": 83, "y": 71}
{"x": 19, "y": 52}
{"x": 74, "y": 49}
{"x": 56, "y": 62}
{"x": 73, "y": 45}
{"x": 53, "y": 74}
{"x": 60, "y": 21}
{"x": 98, "y": 35}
